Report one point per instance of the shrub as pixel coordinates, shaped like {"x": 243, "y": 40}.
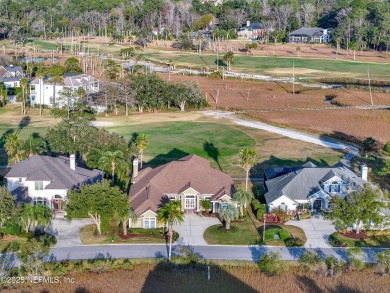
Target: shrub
{"x": 256, "y": 204}
{"x": 336, "y": 267}
{"x": 206, "y": 204}
{"x": 126, "y": 264}
{"x": 271, "y": 264}
{"x": 12, "y": 229}
{"x": 100, "y": 265}
{"x": 294, "y": 242}
{"x": 282, "y": 214}
{"x": 355, "y": 256}
{"x": 46, "y": 239}
{"x": 260, "y": 212}
{"x": 309, "y": 259}
{"x": 383, "y": 259}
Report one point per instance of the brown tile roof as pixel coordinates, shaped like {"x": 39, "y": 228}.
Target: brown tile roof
{"x": 150, "y": 186}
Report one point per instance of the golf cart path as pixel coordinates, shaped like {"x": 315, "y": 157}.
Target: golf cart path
{"x": 326, "y": 142}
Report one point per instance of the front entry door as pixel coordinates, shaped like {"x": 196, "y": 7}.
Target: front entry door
{"x": 317, "y": 205}
{"x": 190, "y": 202}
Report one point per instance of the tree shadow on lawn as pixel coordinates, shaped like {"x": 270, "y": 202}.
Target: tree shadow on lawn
{"x": 212, "y": 152}
{"x": 161, "y": 159}
{"x": 23, "y": 123}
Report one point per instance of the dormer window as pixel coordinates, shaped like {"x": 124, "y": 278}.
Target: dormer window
{"x": 334, "y": 187}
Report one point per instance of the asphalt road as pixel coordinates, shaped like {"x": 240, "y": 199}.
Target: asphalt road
{"x": 207, "y": 252}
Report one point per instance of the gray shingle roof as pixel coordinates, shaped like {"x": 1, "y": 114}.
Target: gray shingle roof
{"x": 308, "y": 31}
{"x": 53, "y": 169}
{"x": 301, "y": 184}
{"x": 252, "y": 26}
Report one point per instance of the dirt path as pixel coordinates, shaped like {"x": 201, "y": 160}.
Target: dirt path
{"x": 329, "y": 143}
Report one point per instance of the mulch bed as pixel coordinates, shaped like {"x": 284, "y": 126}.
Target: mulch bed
{"x": 362, "y": 235}
{"x": 134, "y": 235}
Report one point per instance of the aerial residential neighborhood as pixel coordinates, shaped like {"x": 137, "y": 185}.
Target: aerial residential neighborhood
{"x": 194, "y": 146}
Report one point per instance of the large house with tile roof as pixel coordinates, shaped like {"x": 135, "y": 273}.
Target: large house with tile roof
{"x": 189, "y": 180}
{"x": 48, "y": 92}
{"x": 291, "y": 189}
{"x": 47, "y": 180}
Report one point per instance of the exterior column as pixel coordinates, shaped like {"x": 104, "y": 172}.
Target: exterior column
{"x": 213, "y": 210}
{"x": 182, "y": 201}
{"x": 197, "y": 202}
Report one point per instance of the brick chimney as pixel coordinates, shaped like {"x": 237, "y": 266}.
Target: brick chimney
{"x": 72, "y": 162}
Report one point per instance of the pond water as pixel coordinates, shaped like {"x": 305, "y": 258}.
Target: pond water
{"x": 38, "y": 59}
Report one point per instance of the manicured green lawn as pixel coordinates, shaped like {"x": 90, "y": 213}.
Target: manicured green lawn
{"x": 256, "y": 64}
{"x": 242, "y": 233}
{"x": 173, "y": 140}
{"x": 245, "y": 233}
{"x": 373, "y": 241}
{"x": 87, "y": 236}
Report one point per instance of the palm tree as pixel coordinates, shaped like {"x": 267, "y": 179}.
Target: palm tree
{"x": 42, "y": 215}
{"x": 141, "y": 142}
{"x": 3, "y": 95}
{"x": 113, "y": 161}
{"x": 243, "y": 197}
{"x": 170, "y": 214}
{"x": 228, "y": 213}
{"x": 24, "y": 84}
{"x": 27, "y": 216}
{"x": 14, "y": 146}
{"x": 228, "y": 58}
{"x": 34, "y": 145}
{"x": 40, "y": 74}
{"x": 247, "y": 161}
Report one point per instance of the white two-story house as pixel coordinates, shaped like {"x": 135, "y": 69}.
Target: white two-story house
{"x": 47, "y": 180}
{"x": 47, "y": 92}
{"x": 291, "y": 189}
{"x": 11, "y": 75}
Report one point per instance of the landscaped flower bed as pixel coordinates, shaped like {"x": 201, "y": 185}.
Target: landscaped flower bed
{"x": 147, "y": 233}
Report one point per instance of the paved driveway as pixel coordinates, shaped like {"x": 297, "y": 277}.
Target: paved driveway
{"x": 191, "y": 231}
{"x": 317, "y": 231}
{"x": 67, "y": 232}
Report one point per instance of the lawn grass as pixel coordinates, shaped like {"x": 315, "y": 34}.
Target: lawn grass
{"x": 373, "y": 241}
{"x": 87, "y": 236}
{"x": 173, "y": 140}
{"x": 245, "y": 233}
{"x": 267, "y": 65}
{"x": 242, "y": 233}
{"x": 173, "y": 135}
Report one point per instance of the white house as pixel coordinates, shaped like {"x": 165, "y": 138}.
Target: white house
{"x": 293, "y": 188}
{"x": 47, "y": 180}
{"x": 49, "y": 93}
{"x": 11, "y": 75}
{"x": 309, "y": 35}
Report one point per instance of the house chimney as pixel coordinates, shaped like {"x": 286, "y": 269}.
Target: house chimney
{"x": 72, "y": 162}
{"x": 364, "y": 172}
{"x": 135, "y": 168}
{"x": 248, "y": 23}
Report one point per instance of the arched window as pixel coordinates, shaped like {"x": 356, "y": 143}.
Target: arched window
{"x": 40, "y": 200}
